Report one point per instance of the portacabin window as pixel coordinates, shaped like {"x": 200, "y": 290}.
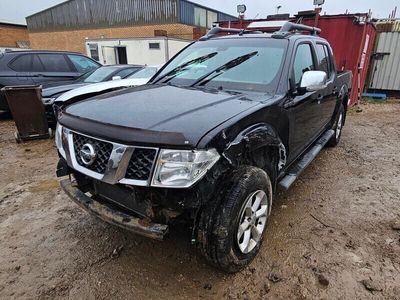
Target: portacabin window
{"x": 154, "y": 46}
{"x": 94, "y": 51}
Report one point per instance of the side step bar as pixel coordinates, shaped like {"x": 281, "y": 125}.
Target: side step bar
{"x": 295, "y": 171}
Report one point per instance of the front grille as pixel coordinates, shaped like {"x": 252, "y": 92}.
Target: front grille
{"x": 141, "y": 163}
{"x": 103, "y": 152}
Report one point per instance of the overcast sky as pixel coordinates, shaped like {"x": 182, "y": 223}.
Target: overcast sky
{"x": 17, "y": 10}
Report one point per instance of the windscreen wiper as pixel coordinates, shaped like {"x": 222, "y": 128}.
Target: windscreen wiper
{"x": 174, "y": 72}
{"x": 203, "y": 80}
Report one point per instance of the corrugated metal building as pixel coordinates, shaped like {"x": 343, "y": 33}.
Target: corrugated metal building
{"x": 66, "y": 26}
{"x": 385, "y": 68}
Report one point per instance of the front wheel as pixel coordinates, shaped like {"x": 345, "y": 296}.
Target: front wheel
{"x": 337, "y": 127}
{"x": 232, "y": 232}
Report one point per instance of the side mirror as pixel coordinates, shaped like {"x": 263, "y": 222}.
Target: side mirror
{"x": 313, "y": 81}
{"x": 116, "y": 78}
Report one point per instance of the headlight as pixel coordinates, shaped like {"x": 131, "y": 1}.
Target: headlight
{"x": 182, "y": 168}
{"x": 59, "y": 140}
{"x": 48, "y": 101}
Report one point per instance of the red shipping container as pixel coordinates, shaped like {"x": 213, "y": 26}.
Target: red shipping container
{"x": 352, "y": 39}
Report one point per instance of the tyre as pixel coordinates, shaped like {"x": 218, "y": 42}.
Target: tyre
{"x": 337, "y": 127}
{"x": 231, "y": 232}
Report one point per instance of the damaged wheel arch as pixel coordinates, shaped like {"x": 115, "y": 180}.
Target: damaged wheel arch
{"x": 260, "y": 146}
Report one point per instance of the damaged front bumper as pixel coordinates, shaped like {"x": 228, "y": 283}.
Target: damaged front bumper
{"x": 115, "y": 217}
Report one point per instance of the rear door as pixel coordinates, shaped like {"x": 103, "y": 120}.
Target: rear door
{"x": 52, "y": 67}
{"x": 328, "y": 96}
{"x": 19, "y": 70}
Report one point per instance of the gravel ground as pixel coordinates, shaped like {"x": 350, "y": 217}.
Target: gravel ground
{"x": 334, "y": 235}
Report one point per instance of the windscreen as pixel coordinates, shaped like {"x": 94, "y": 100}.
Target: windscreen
{"x": 145, "y": 73}
{"x": 100, "y": 74}
{"x": 251, "y": 64}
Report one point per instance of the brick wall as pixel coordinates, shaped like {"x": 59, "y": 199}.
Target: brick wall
{"x": 74, "y": 40}
{"x": 9, "y": 35}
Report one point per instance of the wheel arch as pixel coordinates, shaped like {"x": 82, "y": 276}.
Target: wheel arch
{"x": 343, "y": 98}
{"x": 259, "y": 146}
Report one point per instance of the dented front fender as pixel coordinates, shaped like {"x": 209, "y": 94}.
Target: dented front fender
{"x": 252, "y": 138}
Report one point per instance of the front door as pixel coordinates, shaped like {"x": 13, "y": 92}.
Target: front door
{"x": 49, "y": 67}
{"x": 109, "y": 55}
{"x": 303, "y": 110}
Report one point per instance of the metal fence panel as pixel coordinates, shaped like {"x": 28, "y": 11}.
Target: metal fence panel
{"x": 386, "y": 67}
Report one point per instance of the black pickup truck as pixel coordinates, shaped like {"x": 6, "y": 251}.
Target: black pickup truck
{"x": 221, "y": 126}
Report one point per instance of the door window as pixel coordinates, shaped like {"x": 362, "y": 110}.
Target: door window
{"x": 37, "y": 65}
{"x": 22, "y": 63}
{"x": 54, "y": 63}
{"x": 323, "y": 59}
{"x": 83, "y": 64}
{"x": 303, "y": 62}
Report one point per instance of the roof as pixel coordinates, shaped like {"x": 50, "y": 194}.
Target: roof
{"x": 43, "y": 51}
{"x": 10, "y": 23}
{"x": 152, "y": 38}
{"x": 88, "y": 14}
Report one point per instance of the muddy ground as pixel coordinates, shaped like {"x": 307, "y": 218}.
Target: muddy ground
{"x": 332, "y": 236}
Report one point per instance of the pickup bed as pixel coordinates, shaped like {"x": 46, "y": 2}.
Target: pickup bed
{"x": 209, "y": 140}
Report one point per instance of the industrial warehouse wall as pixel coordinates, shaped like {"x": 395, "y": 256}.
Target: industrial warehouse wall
{"x": 10, "y": 35}
{"x": 74, "y": 40}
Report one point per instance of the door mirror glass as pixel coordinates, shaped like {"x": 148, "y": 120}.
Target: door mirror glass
{"x": 116, "y": 78}
{"x": 313, "y": 81}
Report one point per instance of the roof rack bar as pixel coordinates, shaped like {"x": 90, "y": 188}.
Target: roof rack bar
{"x": 289, "y": 26}
{"x": 214, "y": 31}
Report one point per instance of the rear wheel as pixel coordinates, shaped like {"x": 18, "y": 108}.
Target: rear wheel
{"x": 337, "y": 127}
{"x": 231, "y": 234}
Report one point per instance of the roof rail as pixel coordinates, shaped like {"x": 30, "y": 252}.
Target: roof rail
{"x": 214, "y": 31}
{"x": 289, "y": 26}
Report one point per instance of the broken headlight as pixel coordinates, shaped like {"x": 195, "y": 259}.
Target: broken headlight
{"x": 59, "y": 140}
{"x": 182, "y": 168}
